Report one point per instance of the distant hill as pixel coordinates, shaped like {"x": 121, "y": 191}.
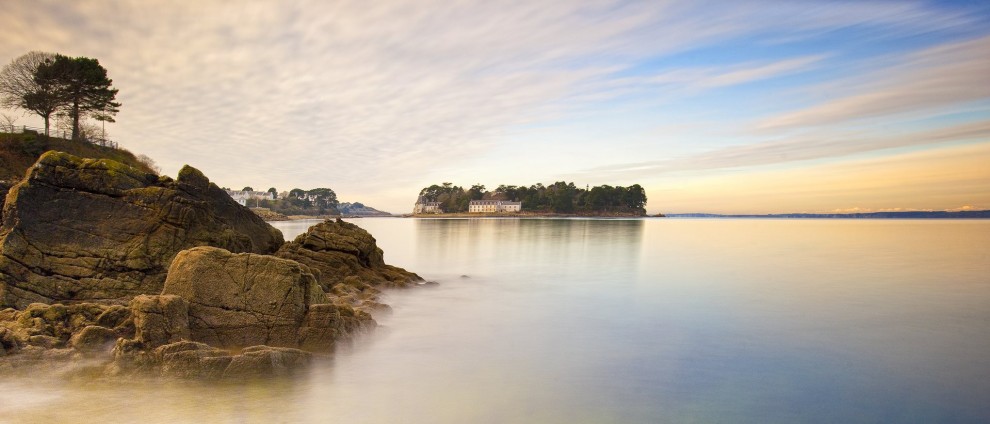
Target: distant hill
{"x": 20, "y": 151}
{"x": 359, "y": 209}
{"x": 871, "y": 215}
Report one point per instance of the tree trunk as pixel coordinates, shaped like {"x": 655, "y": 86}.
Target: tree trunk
{"x": 75, "y": 120}
{"x": 46, "y": 125}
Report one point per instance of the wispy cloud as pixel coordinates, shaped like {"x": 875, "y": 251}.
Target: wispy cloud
{"x": 942, "y": 76}
{"x": 798, "y": 148}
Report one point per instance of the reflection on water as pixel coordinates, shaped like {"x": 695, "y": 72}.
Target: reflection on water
{"x": 575, "y": 320}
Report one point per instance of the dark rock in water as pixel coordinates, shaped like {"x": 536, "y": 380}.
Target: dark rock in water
{"x": 160, "y": 320}
{"x": 238, "y": 300}
{"x": 192, "y": 360}
{"x": 187, "y": 359}
{"x": 81, "y": 229}
{"x": 266, "y": 362}
{"x": 326, "y": 324}
{"x": 94, "y": 339}
{"x": 337, "y": 250}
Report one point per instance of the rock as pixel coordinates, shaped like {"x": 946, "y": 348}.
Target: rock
{"x": 83, "y": 230}
{"x": 9, "y": 343}
{"x": 94, "y": 339}
{"x": 192, "y": 360}
{"x": 160, "y": 320}
{"x": 116, "y": 316}
{"x": 269, "y": 215}
{"x": 47, "y": 342}
{"x": 266, "y": 362}
{"x": 57, "y": 321}
{"x": 327, "y": 324}
{"x": 338, "y": 250}
{"x": 238, "y": 300}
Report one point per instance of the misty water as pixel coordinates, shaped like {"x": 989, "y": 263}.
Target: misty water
{"x": 624, "y": 321}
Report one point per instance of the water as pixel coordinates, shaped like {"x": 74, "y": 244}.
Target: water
{"x": 626, "y": 321}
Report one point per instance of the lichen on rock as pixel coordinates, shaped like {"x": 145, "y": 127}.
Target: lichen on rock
{"x": 96, "y": 230}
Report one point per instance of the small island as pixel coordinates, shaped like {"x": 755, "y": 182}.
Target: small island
{"x": 557, "y": 199}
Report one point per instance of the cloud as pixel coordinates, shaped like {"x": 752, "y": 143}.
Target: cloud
{"x": 366, "y": 97}
{"x": 945, "y": 75}
{"x": 798, "y": 148}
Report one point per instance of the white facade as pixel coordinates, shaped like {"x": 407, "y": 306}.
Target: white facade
{"x": 493, "y": 206}
{"x": 242, "y": 197}
{"x": 427, "y": 207}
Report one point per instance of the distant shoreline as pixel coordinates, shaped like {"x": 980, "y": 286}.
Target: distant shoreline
{"x": 867, "y": 215}
{"x": 985, "y": 214}
{"x": 522, "y": 215}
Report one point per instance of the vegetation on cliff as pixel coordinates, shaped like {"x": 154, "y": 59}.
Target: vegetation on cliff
{"x": 559, "y": 197}
{"x": 19, "y": 151}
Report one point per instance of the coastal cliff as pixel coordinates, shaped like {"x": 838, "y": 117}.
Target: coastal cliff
{"x": 150, "y": 274}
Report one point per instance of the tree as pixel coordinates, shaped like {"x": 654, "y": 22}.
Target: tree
{"x": 324, "y": 198}
{"x": 297, "y": 193}
{"x": 7, "y": 122}
{"x": 476, "y": 192}
{"x": 81, "y": 85}
{"x": 274, "y": 192}
{"x": 103, "y": 118}
{"x": 248, "y": 188}
{"x": 21, "y": 89}
{"x": 150, "y": 163}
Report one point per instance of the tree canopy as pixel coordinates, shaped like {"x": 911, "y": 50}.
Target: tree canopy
{"x": 83, "y": 86}
{"x": 19, "y": 89}
{"x": 46, "y": 84}
{"x": 559, "y": 197}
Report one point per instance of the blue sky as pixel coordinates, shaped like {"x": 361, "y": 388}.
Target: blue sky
{"x": 731, "y": 106}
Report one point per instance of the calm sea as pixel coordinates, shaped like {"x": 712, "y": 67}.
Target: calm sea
{"x": 626, "y": 321}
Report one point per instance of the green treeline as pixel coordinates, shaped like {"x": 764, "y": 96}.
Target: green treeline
{"x": 559, "y": 197}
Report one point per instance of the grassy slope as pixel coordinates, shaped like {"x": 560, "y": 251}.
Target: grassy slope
{"x": 20, "y": 151}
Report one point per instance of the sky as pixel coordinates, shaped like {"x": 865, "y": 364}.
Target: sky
{"x": 712, "y": 106}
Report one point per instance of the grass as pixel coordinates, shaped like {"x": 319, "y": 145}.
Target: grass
{"x": 19, "y": 151}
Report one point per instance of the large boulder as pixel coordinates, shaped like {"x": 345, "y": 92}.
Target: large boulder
{"x": 160, "y": 320}
{"x": 341, "y": 253}
{"x": 95, "y": 230}
{"x": 238, "y": 300}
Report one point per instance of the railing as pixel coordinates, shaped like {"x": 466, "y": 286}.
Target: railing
{"x": 97, "y": 139}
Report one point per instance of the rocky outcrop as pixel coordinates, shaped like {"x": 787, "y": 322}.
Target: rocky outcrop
{"x": 341, "y": 253}
{"x": 135, "y": 273}
{"x": 238, "y": 300}
{"x": 95, "y": 230}
{"x": 267, "y": 214}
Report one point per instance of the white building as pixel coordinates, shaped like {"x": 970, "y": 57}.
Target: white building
{"x": 493, "y": 206}
{"x": 423, "y": 206}
{"x": 242, "y": 197}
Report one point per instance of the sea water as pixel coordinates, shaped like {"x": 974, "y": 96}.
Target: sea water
{"x": 624, "y": 321}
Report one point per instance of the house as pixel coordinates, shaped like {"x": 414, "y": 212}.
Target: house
{"x": 493, "y": 206}
{"x": 242, "y": 197}
{"x": 423, "y": 206}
